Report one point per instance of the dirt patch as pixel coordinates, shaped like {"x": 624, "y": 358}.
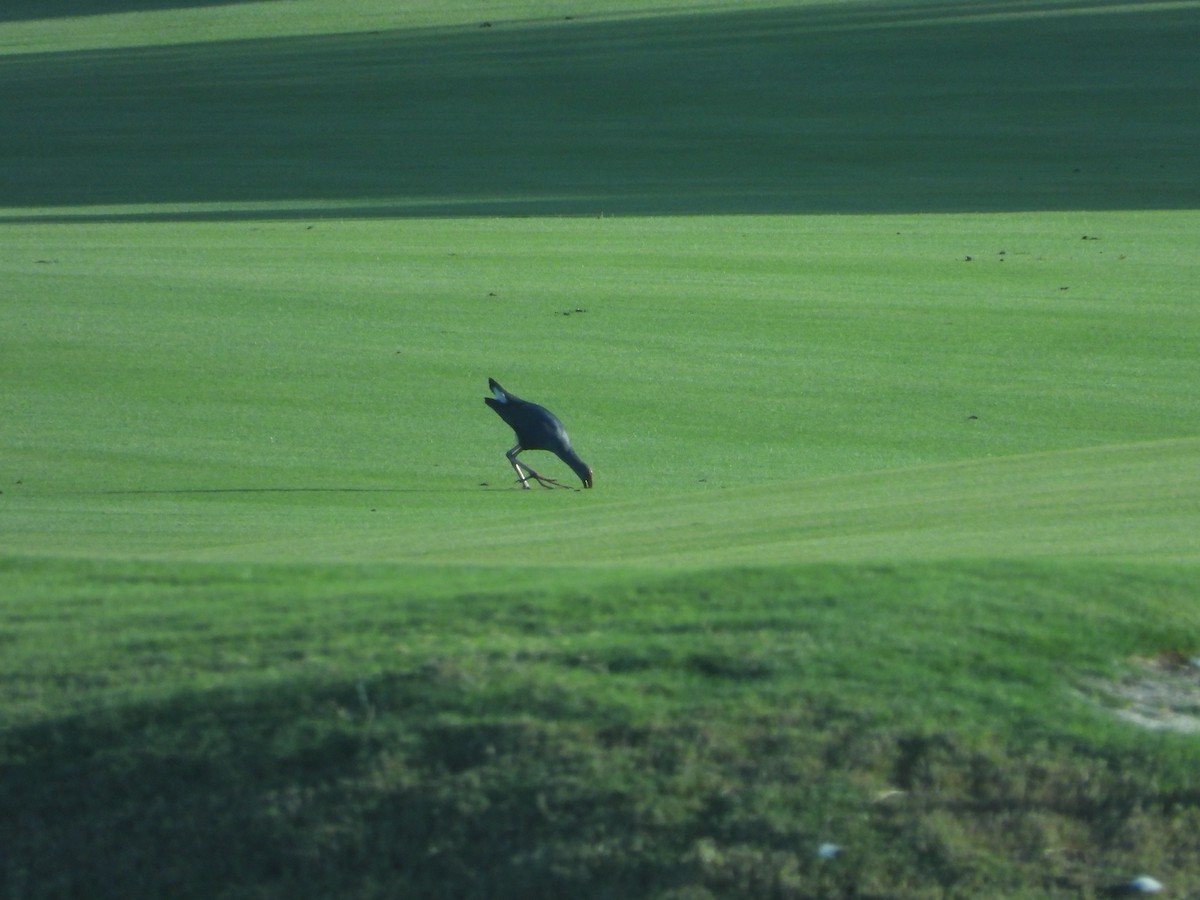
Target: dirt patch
{"x": 1162, "y": 693}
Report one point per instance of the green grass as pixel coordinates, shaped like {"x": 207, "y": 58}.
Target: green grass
{"x": 745, "y": 405}
{"x": 375, "y": 731}
{"x": 875, "y": 320}
{"x": 851, "y": 107}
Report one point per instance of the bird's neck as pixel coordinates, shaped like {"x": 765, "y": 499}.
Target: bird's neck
{"x": 578, "y": 466}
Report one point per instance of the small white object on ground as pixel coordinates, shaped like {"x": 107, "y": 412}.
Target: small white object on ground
{"x": 1144, "y": 884}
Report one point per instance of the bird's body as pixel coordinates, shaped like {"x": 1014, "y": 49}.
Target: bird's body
{"x": 536, "y": 428}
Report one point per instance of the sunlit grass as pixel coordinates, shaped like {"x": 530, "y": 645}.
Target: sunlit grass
{"x": 36, "y": 26}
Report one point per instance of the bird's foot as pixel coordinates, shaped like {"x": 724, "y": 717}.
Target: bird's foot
{"x": 548, "y": 483}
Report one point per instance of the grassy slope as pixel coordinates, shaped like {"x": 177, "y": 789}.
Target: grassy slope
{"x": 243, "y": 607}
{"x": 366, "y": 732}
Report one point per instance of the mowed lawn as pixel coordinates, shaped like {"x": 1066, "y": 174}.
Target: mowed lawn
{"x": 876, "y": 321}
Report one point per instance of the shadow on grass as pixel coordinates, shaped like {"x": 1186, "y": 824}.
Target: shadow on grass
{"x": 494, "y": 773}
{"x": 820, "y": 109}
{"x": 303, "y": 793}
{"x": 419, "y": 784}
{"x": 121, "y": 492}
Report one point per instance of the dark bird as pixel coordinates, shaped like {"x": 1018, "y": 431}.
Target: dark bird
{"x": 537, "y": 429}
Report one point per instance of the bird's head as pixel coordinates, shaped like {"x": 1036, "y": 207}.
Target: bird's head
{"x": 587, "y": 478}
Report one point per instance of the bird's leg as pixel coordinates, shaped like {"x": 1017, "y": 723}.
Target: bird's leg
{"x": 523, "y": 470}
{"x": 512, "y": 458}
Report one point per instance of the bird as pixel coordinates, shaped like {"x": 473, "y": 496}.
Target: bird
{"x": 536, "y": 428}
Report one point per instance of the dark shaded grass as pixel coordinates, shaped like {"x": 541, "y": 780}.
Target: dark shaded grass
{"x": 404, "y": 785}
{"x": 816, "y": 109}
{"x": 696, "y": 736}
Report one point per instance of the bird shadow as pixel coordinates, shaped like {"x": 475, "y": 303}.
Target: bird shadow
{"x": 276, "y": 490}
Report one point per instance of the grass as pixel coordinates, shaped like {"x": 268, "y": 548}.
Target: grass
{"x": 852, "y": 107}
{"x": 364, "y": 731}
{"x": 203, "y": 418}
{"x": 887, "y": 378}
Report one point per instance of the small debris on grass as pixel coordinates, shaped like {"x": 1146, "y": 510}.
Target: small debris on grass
{"x": 829, "y": 851}
{"x": 1143, "y": 884}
